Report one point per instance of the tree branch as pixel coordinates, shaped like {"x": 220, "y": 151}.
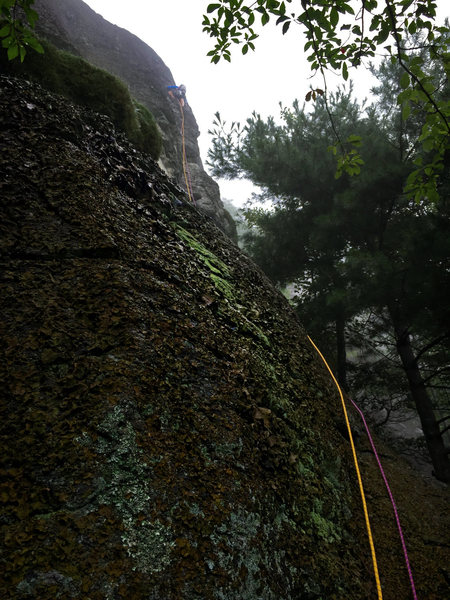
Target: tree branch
{"x": 442, "y": 420}
{"x": 322, "y": 71}
{"x": 436, "y": 373}
{"x": 397, "y": 39}
{"x": 433, "y": 343}
{"x": 438, "y": 387}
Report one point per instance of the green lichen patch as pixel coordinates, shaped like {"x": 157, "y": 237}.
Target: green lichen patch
{"x": 222, "y": 286}
{"x": 220, "y": 275}
{"x": 213, "y": 263}
{"x": 265, "y": 365}
{"x": 219, "y": 271}
{"x": 323, "y": 526}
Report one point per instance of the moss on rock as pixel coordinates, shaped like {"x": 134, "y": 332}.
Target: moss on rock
{"x": 82, "y": 83}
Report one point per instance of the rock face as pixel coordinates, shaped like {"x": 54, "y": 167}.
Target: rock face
{"x": 167, "y": 431}
{"x": 73, "y": 26}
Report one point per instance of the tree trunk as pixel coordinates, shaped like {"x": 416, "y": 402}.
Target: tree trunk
{"x": 341, "y": 354}
{"x": 435, "y": 443}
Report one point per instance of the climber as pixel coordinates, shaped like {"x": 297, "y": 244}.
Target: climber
{"x": 178, "y": 92}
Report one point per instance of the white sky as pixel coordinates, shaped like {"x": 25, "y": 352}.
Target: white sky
{"x": 276, "y": 71}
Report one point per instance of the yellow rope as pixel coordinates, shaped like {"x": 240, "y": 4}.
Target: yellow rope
{"x": 361, "y": 488}
{"x": 188, "y": 187}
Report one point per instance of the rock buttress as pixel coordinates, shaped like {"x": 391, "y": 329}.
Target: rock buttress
{"x": 72, "y": 25}
{"x": 166, "y": 430}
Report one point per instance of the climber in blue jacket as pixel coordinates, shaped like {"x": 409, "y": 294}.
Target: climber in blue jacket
{"x": 178, "y": 92}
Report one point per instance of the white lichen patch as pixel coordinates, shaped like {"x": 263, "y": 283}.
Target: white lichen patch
{"x": 241, "y": 534}
{"x": 238, "y": 534}
{"x": 125, "y": 485}
{"x": 149, "y": 545}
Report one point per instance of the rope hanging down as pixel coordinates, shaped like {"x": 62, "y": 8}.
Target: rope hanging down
{"x": 391, "y": 497}
{"x": 358, "y": 473}
{"x": 187, "y": 176}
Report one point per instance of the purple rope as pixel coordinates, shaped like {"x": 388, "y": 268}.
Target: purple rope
{"x": 405, "y": 553}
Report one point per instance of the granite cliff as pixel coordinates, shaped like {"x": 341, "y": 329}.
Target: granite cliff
{"x": 166, "y": 429}
{"x": 73, "y": 26}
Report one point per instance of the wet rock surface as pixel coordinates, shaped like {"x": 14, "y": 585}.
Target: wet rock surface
{"x": 166, "y": 430}
{"x": 73, "y": 26}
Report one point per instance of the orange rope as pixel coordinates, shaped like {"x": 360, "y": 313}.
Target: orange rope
{"x": 185, "y": 167}
{"x": 361, "y": 488}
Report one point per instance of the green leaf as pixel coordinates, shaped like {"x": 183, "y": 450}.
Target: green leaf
{"x": 334, "y": 17}
{"x": 6, "y": 30}
{"x": 404, "y": 81}
{"x": 6, "y": 5}
{"x": 344, "y": 8}
{"x": 212, "y": 7}
{"x": 412, "y": 28}
{"x": 344, "y": 71}
{"x": 31, "y": 15}
{"x": 428, "y": 144}
{"x": 13, "y": 51}
{"x": 356, "y": 140}
{"x": 406, "y": 110}
{"x": 374, "y": 23}
{"x": 417, "y": 60}
{"x": 383, "y": 35}
{"x": 282, "y": 19}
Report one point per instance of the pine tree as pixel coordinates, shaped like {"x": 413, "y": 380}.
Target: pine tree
{"x": 350, "y": 244}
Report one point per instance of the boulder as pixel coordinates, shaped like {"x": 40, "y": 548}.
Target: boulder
{"x": 166, "y": 429}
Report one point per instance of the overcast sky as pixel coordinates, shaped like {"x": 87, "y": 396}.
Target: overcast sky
{"x": 276, "y": 72}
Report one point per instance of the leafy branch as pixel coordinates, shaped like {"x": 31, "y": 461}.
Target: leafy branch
{"x": 324, "y": 24}
{"x": 17, "y": 18}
